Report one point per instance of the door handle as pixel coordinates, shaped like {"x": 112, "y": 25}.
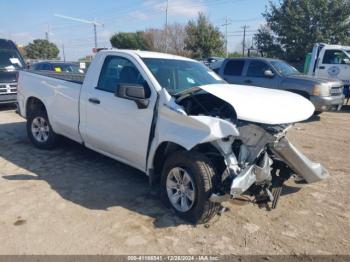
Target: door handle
{"x": 248, "y": 81}
{"x": 94, "y": 101}
{"x": 322, "y": 67}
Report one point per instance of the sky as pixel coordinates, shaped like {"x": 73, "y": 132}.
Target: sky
{"x": 23, "y": 20}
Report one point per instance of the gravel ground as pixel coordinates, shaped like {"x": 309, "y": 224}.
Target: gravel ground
{"x": 75, "y": 201}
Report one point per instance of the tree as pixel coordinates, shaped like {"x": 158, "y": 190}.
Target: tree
{"x": 203, "y": 39}
{"x": 294, "y": 26}
{"x": 41, "y": 49}
{"x": 130, "y": 40}
{"x": 170, "y": 39}
{"x": 266, "y": 43}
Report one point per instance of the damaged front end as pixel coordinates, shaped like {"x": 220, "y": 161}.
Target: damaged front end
{"x": 260, "y": 160}
{"x": 252, "y": 158}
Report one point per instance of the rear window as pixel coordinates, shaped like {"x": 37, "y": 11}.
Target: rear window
{"x": 234, "y": 68}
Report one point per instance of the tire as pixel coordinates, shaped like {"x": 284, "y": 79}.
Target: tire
{"x": 39, "y": 130}
{"x": 202, "y": 178}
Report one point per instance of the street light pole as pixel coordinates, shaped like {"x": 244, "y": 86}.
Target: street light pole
{"x": 95, "y": 35}
{"x": 94, "y": 23}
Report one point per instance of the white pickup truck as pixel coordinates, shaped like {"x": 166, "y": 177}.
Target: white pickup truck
{"x": 204, "y": 140}
{"x": 330, "y": 61}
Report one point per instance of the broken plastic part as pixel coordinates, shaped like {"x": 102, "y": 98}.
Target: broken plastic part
{"x": 298, "y": 162}
{"x": 243, "y": 181}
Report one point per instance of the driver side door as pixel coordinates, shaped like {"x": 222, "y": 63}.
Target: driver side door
{"x": 115, "y": 126}
{"x": 333, "y": 66}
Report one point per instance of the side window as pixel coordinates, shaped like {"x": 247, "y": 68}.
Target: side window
{"x": 334, "y": 57}
{"x": 257, "y": 69}
{"x": 234, "y": 68}
{"x": 118, "y": 70}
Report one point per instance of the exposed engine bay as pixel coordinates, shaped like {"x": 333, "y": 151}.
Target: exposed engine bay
{"x": 258, "y": 161}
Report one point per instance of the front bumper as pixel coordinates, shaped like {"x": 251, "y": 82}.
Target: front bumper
{"x": 260, "y": 173}
{"x": 8, "y": 98}
{"x": 326, "y": 103}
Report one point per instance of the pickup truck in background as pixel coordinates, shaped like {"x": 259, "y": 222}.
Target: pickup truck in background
{"x": 330, "y": 61}
{"x": 203, "y": 140}
{"x": 10, "y": 62}
{"x": 325, "y": 94}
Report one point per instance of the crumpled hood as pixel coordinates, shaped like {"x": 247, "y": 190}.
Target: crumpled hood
{"x": 263, "y": 105}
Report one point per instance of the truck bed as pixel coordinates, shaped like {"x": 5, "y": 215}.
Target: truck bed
{"x": 59, "y": 93}
{"x": 70, "y": 77}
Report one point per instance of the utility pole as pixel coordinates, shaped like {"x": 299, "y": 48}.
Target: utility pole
{"x": 245, "y": 27}
{"x": 63, "y": 53}
{"x": 227, "y": 23}
{"x": 166, "y": 25}
{"x": 47, "y": 33}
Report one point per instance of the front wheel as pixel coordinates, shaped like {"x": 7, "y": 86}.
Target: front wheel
{"x": 187, "y": 182}
{"x": 40, "y": 131}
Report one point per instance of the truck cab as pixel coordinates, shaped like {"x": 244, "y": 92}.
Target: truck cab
{"x": 329, "y": 61}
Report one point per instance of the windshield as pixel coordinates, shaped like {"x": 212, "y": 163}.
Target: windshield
{"x": 284, "y": 68}
{"x": 179, "y": 75}
{"x": 10, "y": 59}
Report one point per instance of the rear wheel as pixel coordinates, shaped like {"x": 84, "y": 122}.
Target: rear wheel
{"x": 187, "y": 182}
{"x": 40, "y": 131}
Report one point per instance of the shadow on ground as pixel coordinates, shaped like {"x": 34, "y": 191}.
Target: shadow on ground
{"x": 313, "y": 118}
{"x": 5, "y": 107}
{"x": 345, "y": 108}
{"x": 83, "y": 176}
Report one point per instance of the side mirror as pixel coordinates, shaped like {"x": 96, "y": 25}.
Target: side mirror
{"x": 133, "y": 92}
{"x": 269, "y": 74}
{"x": 346, "y": 61}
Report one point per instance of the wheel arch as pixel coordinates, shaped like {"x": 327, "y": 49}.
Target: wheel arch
{"x": 161, "y": 153}
{"x": 167, "y": 148}
{"x": 33, "y": 104}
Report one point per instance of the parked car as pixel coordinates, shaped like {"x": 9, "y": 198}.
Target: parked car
{"x": 174, "y": 119}
{"x": 325, "y": 94}
{"x": 331, "y": 61}
{"x": 58, "y": 67}
{"x": 10, "y": 62}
